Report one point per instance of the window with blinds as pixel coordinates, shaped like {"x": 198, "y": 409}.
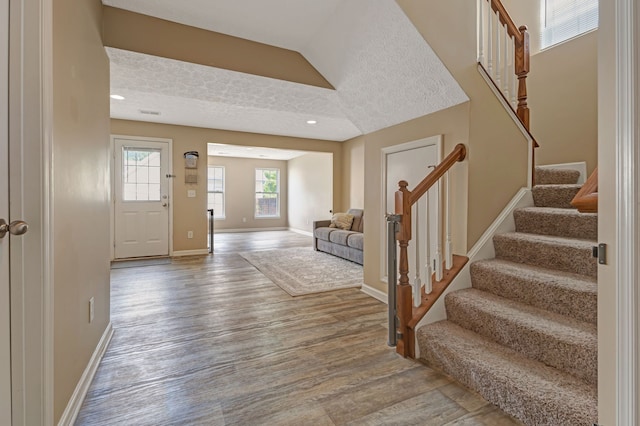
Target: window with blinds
{"x": 215, "y": 191}
{"x": 565, "y": 19}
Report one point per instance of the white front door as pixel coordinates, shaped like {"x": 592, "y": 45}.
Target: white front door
{"x": 5, "y": 313}
{"x": 141, "y": 219}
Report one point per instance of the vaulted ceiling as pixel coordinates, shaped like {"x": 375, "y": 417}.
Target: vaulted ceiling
{"x": 363, "y": 66}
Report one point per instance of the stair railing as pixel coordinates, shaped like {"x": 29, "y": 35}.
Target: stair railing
{"x": 586, "y": 200}
{"x": 404, "y": 309}
{"x": 503, "y": 51}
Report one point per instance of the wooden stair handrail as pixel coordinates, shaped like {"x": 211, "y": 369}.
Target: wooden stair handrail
{"x": 458, "y": 154}
{"x": 506, "y": 20}
{"x": 522, "y": 57}
{"x": 404, "y": 199}
{"x": 586, "y": 200}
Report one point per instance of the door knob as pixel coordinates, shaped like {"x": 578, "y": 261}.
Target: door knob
{"x": 17, "y": 227}
{"x": 164, "y": 204}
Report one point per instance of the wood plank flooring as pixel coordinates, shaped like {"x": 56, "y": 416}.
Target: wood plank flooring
{"x": 211, "y": 341}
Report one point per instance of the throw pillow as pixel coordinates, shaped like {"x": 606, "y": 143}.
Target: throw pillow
{"x": 342, "y": 221}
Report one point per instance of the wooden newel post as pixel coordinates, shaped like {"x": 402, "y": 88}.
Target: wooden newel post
{"x": 522, "y": 70}
{"x": 404, "y": 305}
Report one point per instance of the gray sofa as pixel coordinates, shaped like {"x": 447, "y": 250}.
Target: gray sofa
{"x": 346, "y": 244}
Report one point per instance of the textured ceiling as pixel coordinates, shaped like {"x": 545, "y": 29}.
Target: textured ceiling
{"x": 201, "y": 96}
{"x": 383, "y": 70}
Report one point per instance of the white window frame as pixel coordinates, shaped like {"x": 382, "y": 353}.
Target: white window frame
{"x": 255, "y": 197}
{"x": 216, "y": 214}
{"x": 576, "y": 23}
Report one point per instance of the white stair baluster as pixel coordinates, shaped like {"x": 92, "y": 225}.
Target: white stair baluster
{"x": 438, "y": 257}
{"x": 490, "y": 42}
{"x": 448, "y": 246}
{"x": 514, "y": 80}
{"x": 499, "y": 53}
{"x": 428, "y": 271}
{"x": 417, "y": 283}
{"x": 507, "y": 58}
{"x": 481, "y": 31}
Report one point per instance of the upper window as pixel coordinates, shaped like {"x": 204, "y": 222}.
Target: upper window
{"x": 267, "y": 193}
{"x": 565, "y": 19}
{"x": 215, "y": 191}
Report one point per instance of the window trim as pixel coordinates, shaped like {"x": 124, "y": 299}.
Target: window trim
{"x": 223, "y": 192}
{"x": 278, "y": 198}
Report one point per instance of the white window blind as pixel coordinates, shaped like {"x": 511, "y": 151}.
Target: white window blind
{"x": 565, "y": 19}
{"x": 215, "y": 191}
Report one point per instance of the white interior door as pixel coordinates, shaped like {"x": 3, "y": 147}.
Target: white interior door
{"x": 141, "y": 210}
{"x": 5, "y": 313}
{"x": 411, "y": 162}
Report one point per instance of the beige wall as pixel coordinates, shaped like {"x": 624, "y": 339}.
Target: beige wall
{"x": 145, "y": 34}
{"x": 452, "y": 123}
{"x": 353, "y": 173}
{"x": 81, "y": 190}
{"x": 310, "y": 190}
{"x": 497, "y": 151}
{"x": 496, "y": 165}
{"x": 188, "y": 212}
{"x": 563, "y": 99}
{"x": 562, "y": 88}
{"x": 239, "y": 197}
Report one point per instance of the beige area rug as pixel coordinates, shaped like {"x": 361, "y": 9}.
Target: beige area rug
{"x": 302, "y": 270}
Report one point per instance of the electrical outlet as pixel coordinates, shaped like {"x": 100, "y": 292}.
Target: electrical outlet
{"x": 244, "y": 220}
{"x": 191, "y": 193}
{"x": 91, "y": 310}
{"x": 189, "y": 234}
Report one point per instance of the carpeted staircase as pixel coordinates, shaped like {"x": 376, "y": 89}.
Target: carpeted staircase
{"x": 524, "y": 336}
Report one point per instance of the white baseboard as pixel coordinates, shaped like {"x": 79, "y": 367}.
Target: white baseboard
{"x": 375, "y": 293}
{"x": 230, "y": 230}
{"x": 580, "y": 166}
{"x": 197, "y": 252}
{"x": 73, "y": 407}
{"x": 300, "y": 231}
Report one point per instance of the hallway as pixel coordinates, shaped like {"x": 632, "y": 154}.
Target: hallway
{"x": 211, "y": 341}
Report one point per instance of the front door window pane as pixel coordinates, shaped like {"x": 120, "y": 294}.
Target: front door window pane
{"x": 141, "y": 171}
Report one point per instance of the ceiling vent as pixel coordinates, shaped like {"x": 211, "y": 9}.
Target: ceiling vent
{"x": 149, "y": 112}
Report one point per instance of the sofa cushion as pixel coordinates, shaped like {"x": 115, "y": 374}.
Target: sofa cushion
{"x": 358, "y": 220}
{"x": 342, "y": 221}
{"x": 323, "y": 233}
{"x": 339, "y": 237}
{"x": 356, "y": 240}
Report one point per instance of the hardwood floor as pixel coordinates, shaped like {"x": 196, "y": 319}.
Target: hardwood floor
{"x": 211, "y": 341}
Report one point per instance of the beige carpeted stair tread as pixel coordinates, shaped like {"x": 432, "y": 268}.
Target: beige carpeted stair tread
{"x": 528, "y": 390}
{"x": 553, "y": 339}
{"x": 559, "y": 196}
{"x": 544, "y": 176}
{"x": 562, "y": 254}
{"x": 555, "y": 221}
{"x": 564, "y": 293}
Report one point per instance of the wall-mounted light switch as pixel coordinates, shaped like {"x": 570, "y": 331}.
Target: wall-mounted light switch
{"x": 191, "y": 193}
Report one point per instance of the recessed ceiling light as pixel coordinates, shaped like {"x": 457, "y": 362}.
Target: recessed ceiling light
{"x": 249, "y": 149}
{"x": 311, "y": 122}
{"x": 117, "y": 97}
